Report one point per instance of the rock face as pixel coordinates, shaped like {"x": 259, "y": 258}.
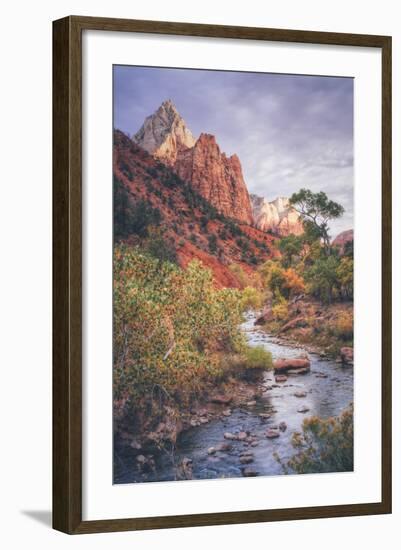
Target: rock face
{"x": 342, "y": 239}
{"x": 213, "y": 175}
{"x": 216, "y": 177}
{"x": 164, "y": 134}
{"x": 277, "y": 216}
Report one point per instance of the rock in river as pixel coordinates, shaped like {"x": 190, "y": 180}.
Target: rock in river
{"x": 303, "y": 409}
{"x": 249, "y": 472}
{"x": 221, "y": 399}
{"x": 272, "y": 434}
{"x": 347, "y": 355}
{"x": 281, "y": 366}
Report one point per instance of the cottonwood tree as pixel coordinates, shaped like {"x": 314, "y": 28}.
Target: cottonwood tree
{"x": 317, "y": 209}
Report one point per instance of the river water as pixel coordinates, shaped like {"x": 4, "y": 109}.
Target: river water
{"x": 329, "y": 390}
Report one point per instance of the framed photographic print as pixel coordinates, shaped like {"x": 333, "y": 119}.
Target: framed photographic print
{"x": 222, "y": 274}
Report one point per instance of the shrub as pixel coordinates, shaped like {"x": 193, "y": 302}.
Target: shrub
{"x": 257, "y": 357}
{"x": 248, "y": 365}
{"x": 344, "y": 325}
{"x": 324, "y": 445}
{"x": 170, "y": 328}
{"x": 251, "y": 298}
{"x": 212, "y": 241}
{"x": 158, "y": 247}
{"x": 280, "y": 308}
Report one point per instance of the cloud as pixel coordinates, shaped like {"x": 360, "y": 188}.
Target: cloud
{"x": 289, "y": 131}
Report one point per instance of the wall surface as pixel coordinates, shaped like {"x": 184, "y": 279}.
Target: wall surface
{"x": 25, "y": 295}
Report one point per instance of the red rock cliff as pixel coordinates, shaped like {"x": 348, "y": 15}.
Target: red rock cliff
{"x": 216, "y": 177}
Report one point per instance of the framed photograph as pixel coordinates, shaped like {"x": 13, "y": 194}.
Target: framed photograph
{"x": 222, "y": 275}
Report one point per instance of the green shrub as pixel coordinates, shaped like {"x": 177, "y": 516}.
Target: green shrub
{"x": 170, "y": 328}
{"x": 249, "y": 363}
{"x": 257, "y": 357}
{"x": 251, "y": 298}
{"x": 324, "y": 445}
{"x": 212, "y": 241}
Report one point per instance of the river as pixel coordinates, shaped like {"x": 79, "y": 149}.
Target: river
{"x": 329, "y": 390}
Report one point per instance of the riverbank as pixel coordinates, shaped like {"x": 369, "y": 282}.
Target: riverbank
{"x": 323, "y": 329}
{"x": 162, "y": 429}
{"x": 239, "y": 433}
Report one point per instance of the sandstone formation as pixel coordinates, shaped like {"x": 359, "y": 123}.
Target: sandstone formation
{"x": 276, "y": 216}
{"x": 216, "y": 177}
{"x": 213, "y": 175}
{"x": 164, "y": 134}
{"x": 342, "y": 239}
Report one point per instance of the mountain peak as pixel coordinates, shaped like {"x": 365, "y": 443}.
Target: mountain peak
{"x": 277, "y": 216}
{"x": 164, "y": 133}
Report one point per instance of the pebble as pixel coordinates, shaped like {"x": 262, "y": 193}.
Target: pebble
{"x": 282, "y": 426}
{"x": 242, "y": 436}
{"x": 223, "y": 447}
{"x": 251, "y": 403}
{"x": 246, "y": 459}
{"x": 300, "y": 394}
{"x": 229, "y": 435}
{"x": 227, "y": 412}
{"x": 272, "y": 434}
{"x": 303, "y": 409}
{"x": 249, "y": 472}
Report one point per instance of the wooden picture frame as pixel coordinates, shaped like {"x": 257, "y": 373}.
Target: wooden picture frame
{"x": 67, "y": 273}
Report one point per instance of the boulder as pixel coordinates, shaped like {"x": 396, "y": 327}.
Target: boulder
{"x": 347, "y": 355}
{"x": 266, "y": 316}
{"x": 281, "y": 366}
{"x": 281, "y": 378}
{"x": 272, "y": 434}
{"x": 221, "y": 399}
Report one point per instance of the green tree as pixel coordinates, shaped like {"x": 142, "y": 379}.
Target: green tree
{"x": 289, "y": 247}
{"x": 345, "y": 275}
{"x": 318, "y": 209}
{"x": 322, "y": 278}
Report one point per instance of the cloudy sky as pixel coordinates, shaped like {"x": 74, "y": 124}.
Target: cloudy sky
{"x": 289, "y": 131}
